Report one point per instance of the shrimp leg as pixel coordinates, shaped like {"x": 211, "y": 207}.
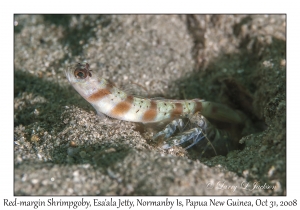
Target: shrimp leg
{"x": 170, "y": 129}
{"x": 195, "y": 133}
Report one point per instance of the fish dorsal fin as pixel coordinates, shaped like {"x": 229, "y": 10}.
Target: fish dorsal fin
{"x": 158, "y": 98}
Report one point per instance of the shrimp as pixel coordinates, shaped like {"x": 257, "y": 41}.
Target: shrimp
{"x": 109, "y": 100}
{"x": 200, "y": 128}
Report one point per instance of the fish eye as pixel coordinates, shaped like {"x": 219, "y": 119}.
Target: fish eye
{"x": 80, "y": 73}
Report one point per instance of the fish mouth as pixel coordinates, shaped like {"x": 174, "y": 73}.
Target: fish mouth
{"x": 69, "y": 73}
